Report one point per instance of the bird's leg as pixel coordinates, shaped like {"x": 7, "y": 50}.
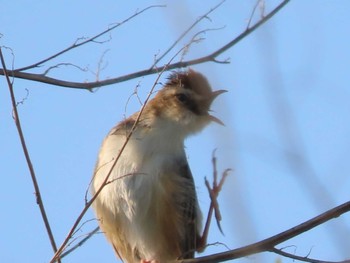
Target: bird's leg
{"x": 214, "y": 205}
{"x": 148, "y": 261}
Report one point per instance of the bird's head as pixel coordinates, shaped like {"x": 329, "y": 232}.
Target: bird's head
{"x": 185, "y": 101}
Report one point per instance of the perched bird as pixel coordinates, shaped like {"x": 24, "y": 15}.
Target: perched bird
{"x": 148, "y": 209}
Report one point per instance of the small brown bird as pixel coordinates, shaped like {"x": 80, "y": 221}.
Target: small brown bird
{"x": 148, "y": 210}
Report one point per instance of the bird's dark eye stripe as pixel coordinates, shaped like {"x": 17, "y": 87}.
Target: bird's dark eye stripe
{"x": 181, "y": 97}
{"x": 187, "y": 102}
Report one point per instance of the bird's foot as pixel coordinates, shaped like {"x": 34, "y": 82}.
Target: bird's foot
{"x": 148, "y": 261}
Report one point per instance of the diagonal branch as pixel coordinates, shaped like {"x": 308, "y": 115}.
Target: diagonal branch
{"x": 268, "y": 244}
{"x": 181, "y": 64}
{"x": 39, "y": 200}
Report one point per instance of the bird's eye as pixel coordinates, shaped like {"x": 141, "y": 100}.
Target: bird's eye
{"x": 181, "y": 97}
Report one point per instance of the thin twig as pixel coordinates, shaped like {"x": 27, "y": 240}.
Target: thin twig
{"x": 253, "y": 12}
{"x": 186, "y": 32}
{"x": 81, "y": 242}
{"x": 304, "y": 259}
{"x": 101, "y": 65}
{"x": 39, "y": 200}
{"x": 91, "y": 39}
{"x": 181, "y": 64}
{"x": 63, "y": 64}
{"x": 197, "y": 40}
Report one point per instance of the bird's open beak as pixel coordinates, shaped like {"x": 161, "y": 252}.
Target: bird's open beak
{"x": 217, "y": 120}
{"x": 216, "y": 93}
{"x": 213, "y": 97}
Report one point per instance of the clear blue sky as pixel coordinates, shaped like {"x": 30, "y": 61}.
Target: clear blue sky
{"x": 289, "y": 94}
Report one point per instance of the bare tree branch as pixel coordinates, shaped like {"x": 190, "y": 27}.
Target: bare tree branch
{"x": 181, "y": 64}
{"x": 268, "y": 244}
{"x": 39, "y": 200}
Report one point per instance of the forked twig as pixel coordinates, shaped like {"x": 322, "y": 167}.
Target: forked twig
{"x": 214, "y": 191}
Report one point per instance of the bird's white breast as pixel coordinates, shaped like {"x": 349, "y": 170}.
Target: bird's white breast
{"x": 134, "y": 183}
